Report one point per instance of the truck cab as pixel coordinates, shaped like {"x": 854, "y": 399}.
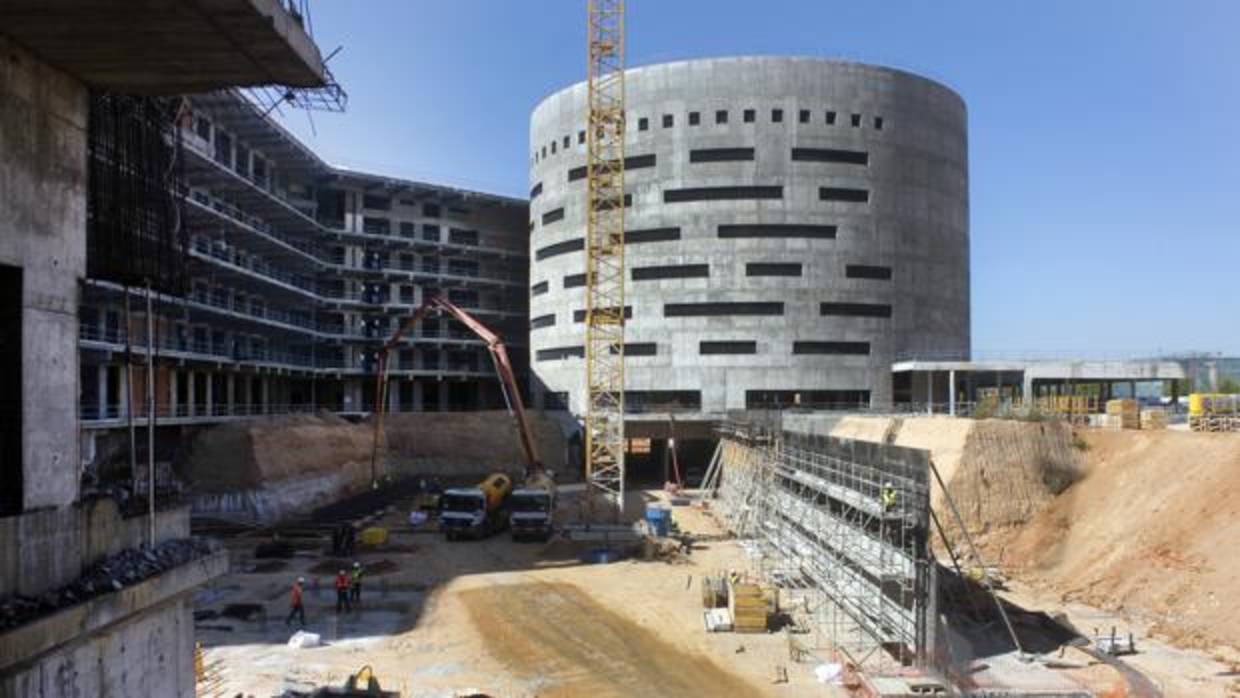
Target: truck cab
{"x": 531, "y": 513}
{"x": 475, "y": 512}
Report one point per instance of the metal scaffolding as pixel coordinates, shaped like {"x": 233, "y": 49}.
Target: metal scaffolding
{"x": 843, "y": 525}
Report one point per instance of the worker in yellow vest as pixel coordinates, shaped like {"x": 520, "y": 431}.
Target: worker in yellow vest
{"x": 888, "y": 496}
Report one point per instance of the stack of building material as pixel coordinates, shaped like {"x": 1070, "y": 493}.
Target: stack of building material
{"x": 750, "y": 608}
{"x": 1154, "y": 418}
{"x": 714, "y": 592}
{"x": 1127, "y": 411}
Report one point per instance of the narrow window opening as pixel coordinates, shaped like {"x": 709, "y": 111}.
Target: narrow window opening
{"x": 721, "y": 116}
{"x": 643, "y": 124}
{"x": 777, "y": 115}
{"x": 668, "y": 121}
{"x": 694, "y": 118}
{"x": 803, "y": 117}
{"x": 749, "y": 116}
{"x": 856, "y": 120}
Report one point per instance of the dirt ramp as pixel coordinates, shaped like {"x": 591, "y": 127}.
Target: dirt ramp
{"x": 1153, "y": 527}
{"x": 469, "y": 442}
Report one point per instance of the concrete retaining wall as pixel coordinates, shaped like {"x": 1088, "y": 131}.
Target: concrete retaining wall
{"x": 61, "y": 543}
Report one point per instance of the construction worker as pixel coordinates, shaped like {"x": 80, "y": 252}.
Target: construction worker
{"x": 355, "y": 585}
{"x": 342, "y": 592}
{"x": 296, "y": 609}
{"x": 888, "y": 496}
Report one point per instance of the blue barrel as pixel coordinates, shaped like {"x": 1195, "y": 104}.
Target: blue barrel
{"x": 660, "y": 520}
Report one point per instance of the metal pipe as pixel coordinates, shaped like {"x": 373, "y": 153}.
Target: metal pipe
{"x": 150, "y": 411}
{"x": 133, "y": 429}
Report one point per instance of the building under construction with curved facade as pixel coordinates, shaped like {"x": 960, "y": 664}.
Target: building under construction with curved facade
{"x": 793, "y": 226}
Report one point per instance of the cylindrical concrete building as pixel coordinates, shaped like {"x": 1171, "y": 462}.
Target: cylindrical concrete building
{"x": 794, "y": 225}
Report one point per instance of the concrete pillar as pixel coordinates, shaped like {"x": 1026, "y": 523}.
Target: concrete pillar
{"x": 174, "y": 379}
{"x": 191, "y": 396}
{"x": 264, "y": 397}
{"x": 951, "y": 392}
{"x": 443, "y": 396}
{"x": 417, "y": 396}
{"x": 929, "y": 392}
{"x": 393, "y": 396}
{"x": 230, "y": 387}
{"x": 1132, "y": 389}
{"x": 1026, "y": 390}
{"x": 124, "y": 399}
{"x": 101, "y": 392}
{"x": 210, "y": 394}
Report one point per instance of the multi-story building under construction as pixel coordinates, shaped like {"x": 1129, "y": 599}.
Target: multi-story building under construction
{"x": 297, "y": 272}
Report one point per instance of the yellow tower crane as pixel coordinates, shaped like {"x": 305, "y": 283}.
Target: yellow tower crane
{"x": 605, "y": 261}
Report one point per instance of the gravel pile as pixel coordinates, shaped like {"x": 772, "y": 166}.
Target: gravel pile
{"x": 113, "y": 574}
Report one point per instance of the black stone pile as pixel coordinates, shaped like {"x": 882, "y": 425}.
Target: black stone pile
{"x": 113, "y": 574}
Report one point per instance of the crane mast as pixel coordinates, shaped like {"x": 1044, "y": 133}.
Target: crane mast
{"x": 604, "y": 346}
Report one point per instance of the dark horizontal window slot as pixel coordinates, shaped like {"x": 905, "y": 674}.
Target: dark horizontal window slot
{"x": 542, "y": 321}
{"x": 728, "y": 348}
{"x": 848, "y": 157}
{"x": 639, "y": 162}
{"x": 720, "y": 154}
{"x": 843, "y": 194}
{"x": 580, "y": 315}
{"x": 640, "y": 349}
{"x": 635, "y": 237}
{"x": 856, "y": 309}
{"x": 662, "y": 400}
{"x": 559, "y": 248}
{"x": 722, "y": 193}
{"x": 716, "y": 309}
{"x": 835, "y": 348}
{"x": 773, "y": 269}
{"x": 535, "y": 191}
{"x": 819, "y": 399}
{"x": 574, "y": 281}
{"x": 553, "y": 216}
{"x": 766, "y": 230}
{"x": 672, "y": 271}
{"x": 634, "y": 162}
{"x": 540, "y": 288}
{"x": 864, "y": 271}
{"x": 558, "y": 353}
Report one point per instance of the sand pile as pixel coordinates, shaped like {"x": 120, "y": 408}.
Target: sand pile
{"x": 1153, "y": 527}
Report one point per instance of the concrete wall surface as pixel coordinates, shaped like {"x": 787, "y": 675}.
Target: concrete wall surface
{"x": 47, "y": 549}
{"x": 865, "y": 208}
{"x": 43, "y": 118}
{"x": 134, "y": 642}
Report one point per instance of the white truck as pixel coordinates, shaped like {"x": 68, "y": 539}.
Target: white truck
{"x": 531, "y": 508}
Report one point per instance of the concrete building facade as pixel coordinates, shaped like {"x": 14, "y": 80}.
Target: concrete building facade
{"x": 298, "y": 273}
{"x": 133, "y": 637}
{"x": 792, "y": 226}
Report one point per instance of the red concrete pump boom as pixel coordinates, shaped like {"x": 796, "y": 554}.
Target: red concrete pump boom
{"x": 499, "y": 357}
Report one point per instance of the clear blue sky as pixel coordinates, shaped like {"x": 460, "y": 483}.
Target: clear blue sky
{"x": 1104, "y": 136}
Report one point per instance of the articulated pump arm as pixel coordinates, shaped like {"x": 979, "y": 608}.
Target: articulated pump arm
{"x": 499, "y": 357}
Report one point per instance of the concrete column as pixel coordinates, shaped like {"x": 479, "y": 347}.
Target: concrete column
{"x": 264, "y": 397}
{"x": 124, "y": 399}
{"x": 929, "y": 392}
{"x": 101, "y": 380}
{"x": 417, "y": 396}
{"x": 443, "y": 396}
{"x": 1027, "y": 389}
{"x": 393, "y": 396}
{"x": 191, "y": 395}
{"x": 174, "y": 379}
{"x": 230, "y": 387}
{"x": 951, "y": 392}
{"x": 210, "y": 394}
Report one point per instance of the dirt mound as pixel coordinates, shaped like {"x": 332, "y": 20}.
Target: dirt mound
{"x": 1152, "y": 527}
{"x": 481, "y": 441}
{"x": 245, "y": 455}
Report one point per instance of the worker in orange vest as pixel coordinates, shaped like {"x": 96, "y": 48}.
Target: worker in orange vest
{"x": 296, "y": 609}
{"x": 342, "y": 592}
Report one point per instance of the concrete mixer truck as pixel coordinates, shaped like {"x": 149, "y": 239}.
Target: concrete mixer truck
{"x": 475, "y": 512}
{"x": 532, "y": 507}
